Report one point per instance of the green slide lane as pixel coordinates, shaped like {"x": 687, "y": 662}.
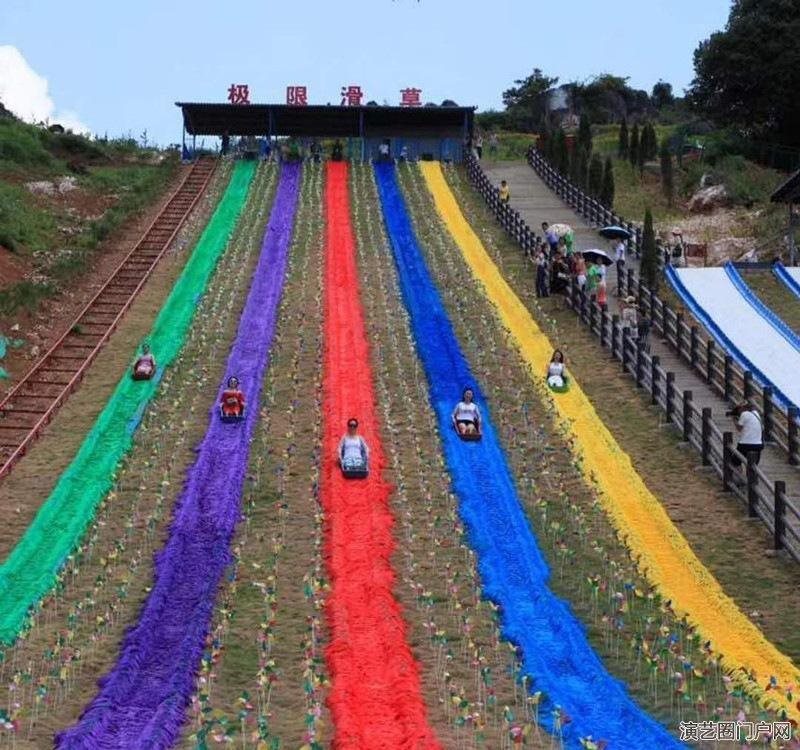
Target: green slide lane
{"x": 32, "y": 568}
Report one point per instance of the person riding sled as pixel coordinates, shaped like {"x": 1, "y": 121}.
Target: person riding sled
{"x": 145, "y": 365}
{"x": 353, "y": 451}
{"x": 232, "y": 401}
{"x": 467, "y": 415}
{"x": 557, "y": 379}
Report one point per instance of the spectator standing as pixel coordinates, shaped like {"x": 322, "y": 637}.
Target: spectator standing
{"x": 479, "y": 146}
{"x": 559, "y": 275}
{"x": 630, "y": 317}
{"x": 751, "y": 432}
{"x": 619, "y": 259}
{"x": 580, "y": 270}
{"x": 504, "y": 193}
{"x": 550, "y": 236}
{"x": 593, "y": 277}
{"x": 541, "y": 273}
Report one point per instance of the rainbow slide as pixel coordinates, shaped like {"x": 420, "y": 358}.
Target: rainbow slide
{"x": 142, "y": 701}
{"x": 376, "y": 696}
{"x": 32, "y": 568}
{"x": 662, "y": 553}
{"x": 556, "y": 655}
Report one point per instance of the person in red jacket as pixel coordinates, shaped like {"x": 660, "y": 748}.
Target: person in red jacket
{"x": 232, "y": 401}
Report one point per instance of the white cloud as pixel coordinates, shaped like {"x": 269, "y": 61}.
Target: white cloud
{"x": 24, "y": 92}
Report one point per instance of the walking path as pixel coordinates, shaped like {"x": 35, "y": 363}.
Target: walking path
{"x": 537, "y": 203}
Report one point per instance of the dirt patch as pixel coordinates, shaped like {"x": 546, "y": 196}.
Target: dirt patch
{"x": 12, "y": 268}
{"x": 41, "y": 329}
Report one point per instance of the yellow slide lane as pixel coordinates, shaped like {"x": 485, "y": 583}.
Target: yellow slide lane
{"x": 660, "y": 550}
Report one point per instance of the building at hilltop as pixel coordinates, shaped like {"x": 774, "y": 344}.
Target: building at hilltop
{"x": 416, "y": 132}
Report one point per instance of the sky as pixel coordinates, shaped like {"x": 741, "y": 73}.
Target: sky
{"x": 116, "y": 67}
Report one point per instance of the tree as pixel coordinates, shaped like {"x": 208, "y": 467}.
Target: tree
{"x": 560, "y": 151}
{"x": 526, "y": 101}
{"x": 633, "y": 145}
{"x": 607, "y": 191}
{"x": 648, "y": 267}
{"x": 585, "y": 134}
{"x": 749, "y": 74}
{"x": 662, "y": 95}
{"x": 667, "y": 176}
{"x": 649, "y": 142}
{"x": 622, "y": 144}
{"x": 595, "y": 176}
{"x": 579, "y": 166}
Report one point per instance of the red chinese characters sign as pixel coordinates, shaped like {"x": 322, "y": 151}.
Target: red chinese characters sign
{"x": 297, "y": 95}
{"x": 239, "y": 93}
{"x": 352, "y": 95}
{"x": 410, "y": 97}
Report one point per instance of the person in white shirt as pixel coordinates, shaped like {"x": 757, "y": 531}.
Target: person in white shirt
{"x": 557, "y": 370}
{"x": 353, "y": 450}
{"x": 467, "y": 415}
{"x": 619, "y": 260}
{"x": 751, "y": 432}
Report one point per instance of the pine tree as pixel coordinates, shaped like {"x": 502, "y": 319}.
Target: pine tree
{"x": 648, "y": 268}
{"x": 595, "y": 176}
{"x": 622, "y": 145}
{"x": 607, "y": 191}
{"x": 585, "y": 134}
{"x": 641, "y": 155}
{"x": 560, "y": 152}
{"x": 651, "y": 152}
{"x": 633, "y": 145}
{"x": 667, "y": 176}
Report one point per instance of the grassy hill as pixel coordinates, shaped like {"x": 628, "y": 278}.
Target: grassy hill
{"x": 61, "y": 195}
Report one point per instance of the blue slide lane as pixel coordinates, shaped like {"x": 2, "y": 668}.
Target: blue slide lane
{"x": 554, "y": 649}
{"x": 774, "y": 320}
{"x": 789, "y": 281}
{"x": 699, "y": 312}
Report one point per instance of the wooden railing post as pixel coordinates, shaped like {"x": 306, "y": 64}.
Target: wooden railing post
{"x": 706, "y": 436}
{"x": 670, "y": 394}
{"x": 679, "y": 333}
{"x": 654, "y": 363}
{"x": 639, "y": 366}
{"x": 693, "y": 346}
{"x": 767, "y": 405}
{"x": 687, "y": 416}
{"x": 752, "y": 478}
{"x": 779, "y": 515}
{"x": 747, "y": 386}
{"x": 711, "y": 348}
{"x": 791, "y": 429}
{"x": 614, "y": 335}
{"x": 728, "y": 385}
{"x": 630, "y": 282}
{"x": 727, "y": 469}
{"x": 603, "y": 327}
{"x": 626, "y": 338}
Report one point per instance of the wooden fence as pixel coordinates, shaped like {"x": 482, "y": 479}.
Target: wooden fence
{"x": 764, "y": 499}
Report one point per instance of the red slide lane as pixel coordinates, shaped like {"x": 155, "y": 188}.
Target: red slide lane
{"x": 375, "y": 697}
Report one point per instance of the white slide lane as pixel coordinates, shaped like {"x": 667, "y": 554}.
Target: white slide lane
{"x": 749, "y": 332}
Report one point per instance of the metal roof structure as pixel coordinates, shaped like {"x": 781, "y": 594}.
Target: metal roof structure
{"x": 325, "y": 120}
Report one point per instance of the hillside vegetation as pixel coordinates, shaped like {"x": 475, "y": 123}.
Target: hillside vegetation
{"x": 61, "y": 195}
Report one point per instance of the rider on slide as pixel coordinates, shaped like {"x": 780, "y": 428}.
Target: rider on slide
{"x": 353, "y": 450}
{"x": 232, "y": 401}
{"x": 467, "y": 415}
{"x": 145, "y": 365}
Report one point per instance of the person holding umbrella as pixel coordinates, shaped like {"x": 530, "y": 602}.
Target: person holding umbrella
{"x": 619, "y": 236}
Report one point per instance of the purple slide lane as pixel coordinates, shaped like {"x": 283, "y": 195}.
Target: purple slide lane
{"x": 142, "y": 701}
